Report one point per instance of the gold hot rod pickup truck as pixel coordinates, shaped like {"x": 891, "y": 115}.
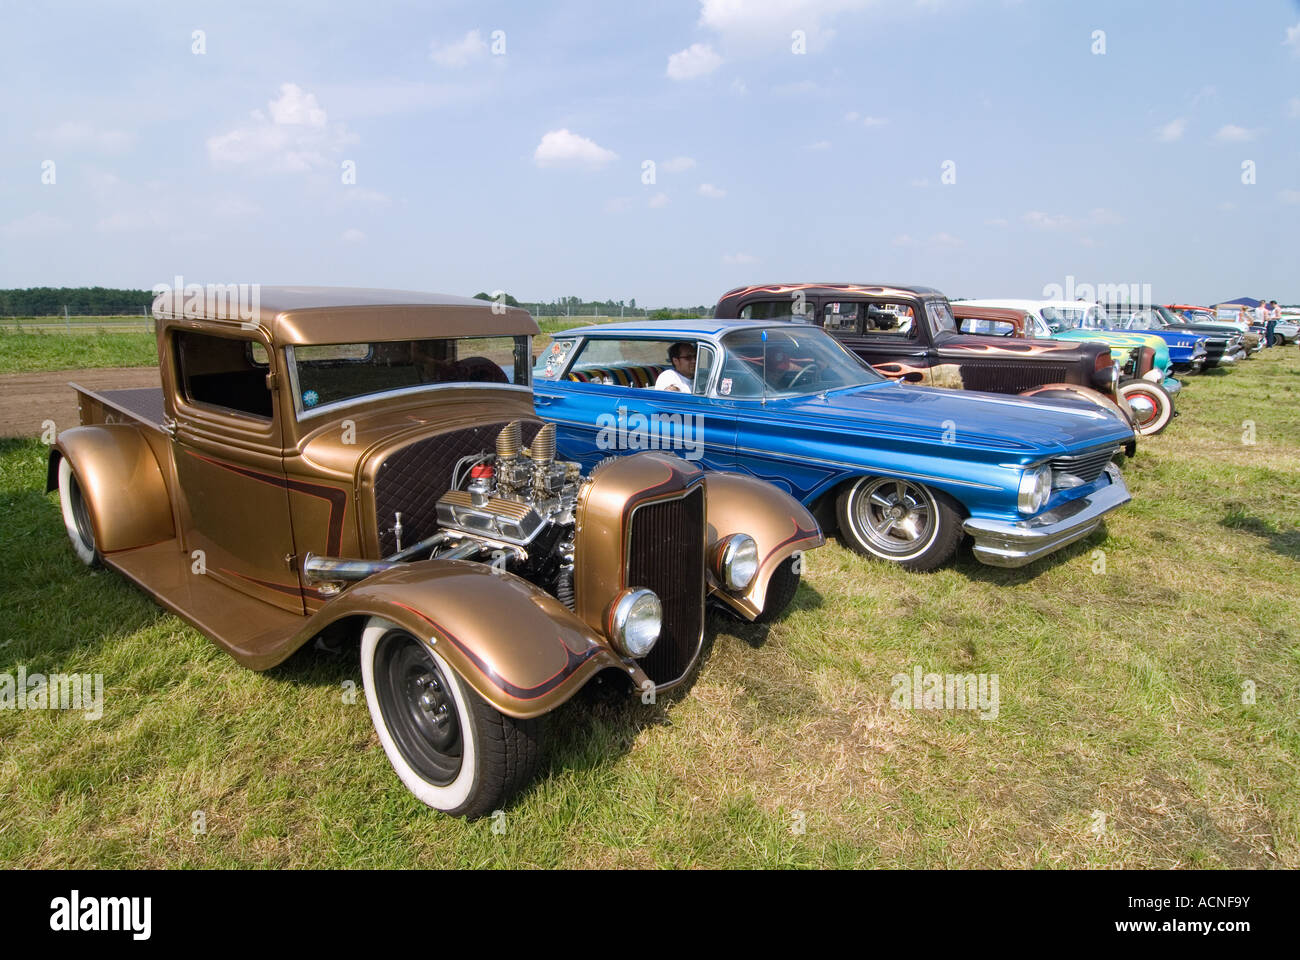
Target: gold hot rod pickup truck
{"x": 370, "y": 463}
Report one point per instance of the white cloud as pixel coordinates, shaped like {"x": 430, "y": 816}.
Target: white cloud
{"x": 1101, "y": 217}
{"x": 874, "y": 121}
{"x": 738, "y": 258}
{"x": 618, "y": 204}
{"x": 1171, "y": 131}
{"x": 997, "y": 222}
{"x": 903, "y": 240}
{"x": 945, "y": 240}
{"x": 352, "y": 235}
{"x": 738, "y": 87}
{"x": 36, "y": 224}
{"x": 1207, "y": 92}
{"x": 296, "y": 107}
{"x": 296, "y": 137}
{"x": 695, "y": 61}
{"x": 1293, "y": 107}
{"x": 1046, "y": 221}
{"x": 1231, "y": 133}
{"x": 677, "y": 164}
{"x": 460, "y": 53}
{"x": 658, "y": 200}
{"x": 1293, "y": 38}
{"x": 819, "y": 145}
{"x": 1227, "y": 206}
{"x": 712, "y": 192}
{"x": 563, "y": 148}
{"x": 84, "y": 136}
{"x": 852, "y": 116}
{"x": 769, "y": 23}
{"x": 1289, "y": 196}
{"x": 920, "y": 182}
{"x": 1097, "y": 217}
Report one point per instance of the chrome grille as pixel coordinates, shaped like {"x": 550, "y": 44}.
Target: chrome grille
{"x": 1080, "y": 469}
{"x": 666, "y": 555}
{"x": 1013, "y": 376}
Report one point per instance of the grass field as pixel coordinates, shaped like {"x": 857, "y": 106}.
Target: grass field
{"x": 1122, "y": 738}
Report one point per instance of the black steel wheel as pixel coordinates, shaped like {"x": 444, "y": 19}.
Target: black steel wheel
{"x": 451, "y": 748}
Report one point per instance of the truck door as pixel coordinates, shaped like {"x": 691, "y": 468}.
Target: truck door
{"x": 229, "y": 455}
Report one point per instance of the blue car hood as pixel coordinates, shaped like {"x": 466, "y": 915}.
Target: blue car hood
{"x": 992, "y": 421}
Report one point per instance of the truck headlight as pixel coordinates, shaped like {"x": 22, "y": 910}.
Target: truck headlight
{"x": 737, "y": 562}
{"x": 1035, "y": 489}
{"x": 635, "y": 619}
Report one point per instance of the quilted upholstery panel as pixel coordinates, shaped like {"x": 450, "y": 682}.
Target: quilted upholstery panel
{"x": 412, "y": 478}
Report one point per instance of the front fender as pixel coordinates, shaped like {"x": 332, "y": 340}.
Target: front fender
{"x": 521, "y": 650}
{"x": 1119, "y": 406}
{"x": 779, "y": 524}
{"x": 121, "y": 481}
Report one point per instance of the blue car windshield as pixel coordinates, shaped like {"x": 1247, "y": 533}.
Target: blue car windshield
{"x": 788, "y": 362}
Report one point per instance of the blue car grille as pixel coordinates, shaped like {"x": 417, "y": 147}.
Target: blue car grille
{"x": 1080, "y": 469}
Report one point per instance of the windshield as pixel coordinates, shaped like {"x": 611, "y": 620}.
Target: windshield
{"x": 940, "y": 313}
{"x": 788, "y": 362}
{"x": 1059, "y": 320}
{"x": 331, "y": 374}
{"x": 1143, "y": 320}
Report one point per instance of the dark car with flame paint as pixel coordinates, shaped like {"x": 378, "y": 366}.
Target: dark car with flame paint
{"x": 367, "y": 467}
{"x": 909, "y": 333}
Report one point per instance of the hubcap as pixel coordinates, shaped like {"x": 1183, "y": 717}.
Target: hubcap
{"x": 1143, "y": 406}
{"x": 896, "y": 517}
{"x": 419, "y": 707}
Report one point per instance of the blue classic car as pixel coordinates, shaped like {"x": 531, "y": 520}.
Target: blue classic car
{"x": 903, "y": 470}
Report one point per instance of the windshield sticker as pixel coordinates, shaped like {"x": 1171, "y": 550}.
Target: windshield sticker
{"x": 310, "y": 398}
{"x": 724, "y": 388}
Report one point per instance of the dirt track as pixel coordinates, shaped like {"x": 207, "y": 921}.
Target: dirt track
{"x": 29, "y": 399}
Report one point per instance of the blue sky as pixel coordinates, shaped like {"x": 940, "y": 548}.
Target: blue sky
{"x": 515, "y": 160}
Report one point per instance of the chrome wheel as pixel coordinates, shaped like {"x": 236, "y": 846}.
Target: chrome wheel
{"x": 894, "y": 517}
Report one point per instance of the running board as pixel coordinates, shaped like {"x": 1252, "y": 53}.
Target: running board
{"x": 162, "y": 570}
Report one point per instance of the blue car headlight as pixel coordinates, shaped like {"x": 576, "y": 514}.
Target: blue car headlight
{"x": 1035, "y": 489}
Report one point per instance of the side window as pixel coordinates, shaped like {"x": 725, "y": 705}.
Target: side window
{"x": 774, "y": 310}
{"x": 987, "y": 327}
{"x": 838, "y": 317}
{"x": 896, "y": 319}
{"x": 623, "y": 363}
{"x": 222, "y": 372}
{"x": 551, "y": 360}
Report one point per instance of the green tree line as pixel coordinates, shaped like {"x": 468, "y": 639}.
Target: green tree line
{"x": 83, "y": 301}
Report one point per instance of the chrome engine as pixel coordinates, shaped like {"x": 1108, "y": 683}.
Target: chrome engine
{"x": 513, "y": 508}
{"x": 517, "y": 504}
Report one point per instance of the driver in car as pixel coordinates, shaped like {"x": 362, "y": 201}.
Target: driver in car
{"x": 681, "y": 377}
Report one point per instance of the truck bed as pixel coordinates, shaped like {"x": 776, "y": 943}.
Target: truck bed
{"x": 144, "y": 405}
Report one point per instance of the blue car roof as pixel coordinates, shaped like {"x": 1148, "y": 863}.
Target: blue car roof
{"x": 705, "y": 326}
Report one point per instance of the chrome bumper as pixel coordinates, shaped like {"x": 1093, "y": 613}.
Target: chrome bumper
{"x": 1002, "y": 544}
